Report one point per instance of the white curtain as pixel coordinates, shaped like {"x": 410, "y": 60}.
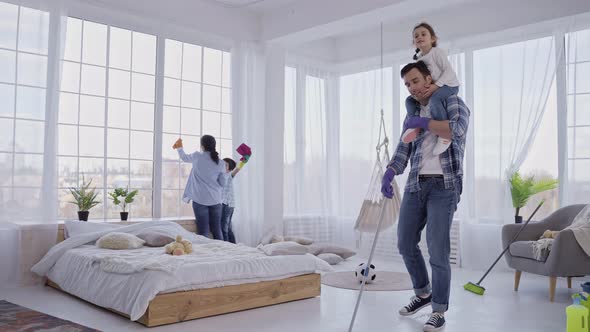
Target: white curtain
{"x": 248, "y": 81}
{"x": 311, "y": 153}
{"x": 28, "y": 220}
{"x": 511, "y": 87}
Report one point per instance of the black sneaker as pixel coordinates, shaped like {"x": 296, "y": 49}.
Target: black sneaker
{"x": 415, "y": 305}
{"x": 436, "y": 322}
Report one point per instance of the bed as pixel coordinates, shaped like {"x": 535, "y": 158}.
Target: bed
{"x": 218, "y": 278}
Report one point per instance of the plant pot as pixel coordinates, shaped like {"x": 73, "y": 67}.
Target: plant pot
{"x": 124, "y": 215}
{"x": 518, "y": 219}
{"x": 83, "y": 215}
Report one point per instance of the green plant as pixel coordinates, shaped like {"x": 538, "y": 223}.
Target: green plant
{"x": 84, "y": 197}
{"x": 126, "y": 196}
{"x": 523, "y": 188}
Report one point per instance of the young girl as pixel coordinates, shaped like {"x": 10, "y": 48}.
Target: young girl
{"x": 445, "y": 82}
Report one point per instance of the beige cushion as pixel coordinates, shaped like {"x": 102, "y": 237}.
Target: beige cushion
{"x": 284, "y": 248}
{"x": 299, "y": 239}
{"x": 331, "y": 259}
{"x": 154, "y": 239}
{"x": 116, "y": 240}
{"x": 330, "y": 248}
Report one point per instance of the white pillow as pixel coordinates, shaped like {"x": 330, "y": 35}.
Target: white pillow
{"x": 116, "y": 240}
{"x": 330, "y": 248}
{"x": 299, "y": 239}
{"x": 73, "y": 228}
{"x": 331, "y": 259}
{"x": 284, "y": 248}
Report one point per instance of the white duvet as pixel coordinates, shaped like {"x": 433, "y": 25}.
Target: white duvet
{"x": 82, "y": 269}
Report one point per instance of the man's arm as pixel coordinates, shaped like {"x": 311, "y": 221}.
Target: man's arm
{"x": 456, "y": 127}
{"x": 401, "y": 156}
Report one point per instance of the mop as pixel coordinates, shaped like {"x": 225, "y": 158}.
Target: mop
{"x": 477, "y": 288}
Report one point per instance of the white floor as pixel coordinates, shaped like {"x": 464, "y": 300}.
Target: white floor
{"x": 500, "y": 309}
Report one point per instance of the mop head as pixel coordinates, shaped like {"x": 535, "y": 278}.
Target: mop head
{"x": 473, "y": 288}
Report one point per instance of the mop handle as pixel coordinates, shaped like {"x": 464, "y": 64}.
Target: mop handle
{"x": 367, "y": 267}
{"x": 513, "y": 239}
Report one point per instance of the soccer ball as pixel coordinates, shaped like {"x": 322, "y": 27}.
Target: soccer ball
{"x": 368, "y": 274}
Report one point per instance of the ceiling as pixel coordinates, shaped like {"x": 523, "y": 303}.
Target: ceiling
{"x": 258, "y": 6}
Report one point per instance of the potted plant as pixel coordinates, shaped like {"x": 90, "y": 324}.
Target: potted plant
{"x": 84, "y": 198}
{"x": 523, "y": 188}
{"x": 124, "y": 197}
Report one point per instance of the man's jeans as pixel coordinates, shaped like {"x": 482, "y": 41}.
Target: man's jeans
{"x": 226, "y": 216}
{"x": 433, "y": 206}
{"x": 208, "y": 219}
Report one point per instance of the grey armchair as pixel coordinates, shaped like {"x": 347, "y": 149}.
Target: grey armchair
{"x": 566, "y": 258}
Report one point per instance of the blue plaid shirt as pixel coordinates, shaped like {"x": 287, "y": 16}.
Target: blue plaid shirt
{"x": 451, "y": 160}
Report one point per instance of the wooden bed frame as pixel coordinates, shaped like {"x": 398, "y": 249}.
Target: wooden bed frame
{"x": 186, "y": 305}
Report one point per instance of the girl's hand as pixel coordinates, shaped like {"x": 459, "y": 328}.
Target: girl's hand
{"x": 429, "y": 90}
{"x": 177, "y": 144}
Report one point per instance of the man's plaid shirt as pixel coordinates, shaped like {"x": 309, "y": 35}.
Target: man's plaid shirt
{"x": 451, "y": 160}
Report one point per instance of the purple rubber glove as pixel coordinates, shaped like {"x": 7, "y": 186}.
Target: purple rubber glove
{"x": 386, "y": 188}
{"x": 417, "y": 122}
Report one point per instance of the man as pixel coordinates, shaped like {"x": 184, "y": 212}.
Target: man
{"x": 431, "y": 194}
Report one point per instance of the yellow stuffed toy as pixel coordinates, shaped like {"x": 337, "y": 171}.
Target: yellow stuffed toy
{"x": 549, "y": 234}
{"x": 179, "y": 247}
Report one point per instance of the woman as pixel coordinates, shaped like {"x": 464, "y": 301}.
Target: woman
{"x": 204, "y": 185}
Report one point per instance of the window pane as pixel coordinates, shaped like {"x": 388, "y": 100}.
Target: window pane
{"x": 33, "y": 30}
{"x": 27, "y": 198}
{"x": 73, "y": 43}
{"x": 142, "y": 116}
{"x": 95, "y": 43}
{"x": 212, "y": 66}
{"x": 211, "y": 98}
{"x": 167, "y": 152}
{"x": 191, "y": 95}
{"x": 7, "y": 100}
{"x": 67, "y": 171}
{"x": 582, "y": 40}
{"x": 30, "y": 103}
{"x": 226, "y": 79}
{"x": 144, "y": 53}
{"x": 118, "y": 113}
{"x": 582, "y": 110}
{"x": 170, "y": 175}
{"x": 581, "y": 146}
{"x": 191, "y": 63}
{"x": 171, "y": 120}
{"x": 93, "y": 80}
{"x": 190, "y": 121}
{"x": 92, "y": 169}
{"x": 226, "y": 100}
{"x": 9, "y": 19}
{"x": 582, "y": 74}
{"x": 142, "y": 87}
{"x": 6, "y": 169}
{"x": 171, "y": 92}
{"x": 6, "y": 133}
{"x": 191, "y": 144}
{"x": 170, "y": 203}
{"x": 91, "y": 110}
{"x": 173, "y": 58}
{"x": 29, "y": 136}
{"x": 119, "y": 84}
{"x": 68, "y": 108}
{"x": 117, "y": 173}
{"x": 66, "y": 209}
{"x": 70, "y": 76}
{"x": 7, "y": 66}
{"x": 225, "y": 147}
{"x": 226, "y": 126}
{"x": 120, "y": 49}
{"x": 211, "y": 124}
{"x": 68, "y": 140}
{"x": 141, "y": 174}
{"x": 142, "y": 205}
{"x": 118, "y": 143}
{"x": 142, "y": 145}
{"x": 28, "y": 170}
{"x": 32, "y": 69}
{"x": 91, "y": 141}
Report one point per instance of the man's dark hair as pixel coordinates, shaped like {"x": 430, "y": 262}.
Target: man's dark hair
{"x": 231, "y": 163}
{"x": 420, "y": 65}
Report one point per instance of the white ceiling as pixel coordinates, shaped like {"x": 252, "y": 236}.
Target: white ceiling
{"x": 258, "y": 6}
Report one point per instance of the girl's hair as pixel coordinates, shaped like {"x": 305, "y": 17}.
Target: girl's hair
{"x": 432, "y": 33}
{"x": 231, "y": 163}
{"x": 208, "y": 143}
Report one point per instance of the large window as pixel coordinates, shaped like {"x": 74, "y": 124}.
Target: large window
{"x": 23, "y": 77}
{"x": 196, "y": 102}
{"x": 578, "y": 117}
{"x": 106, "y": 115}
